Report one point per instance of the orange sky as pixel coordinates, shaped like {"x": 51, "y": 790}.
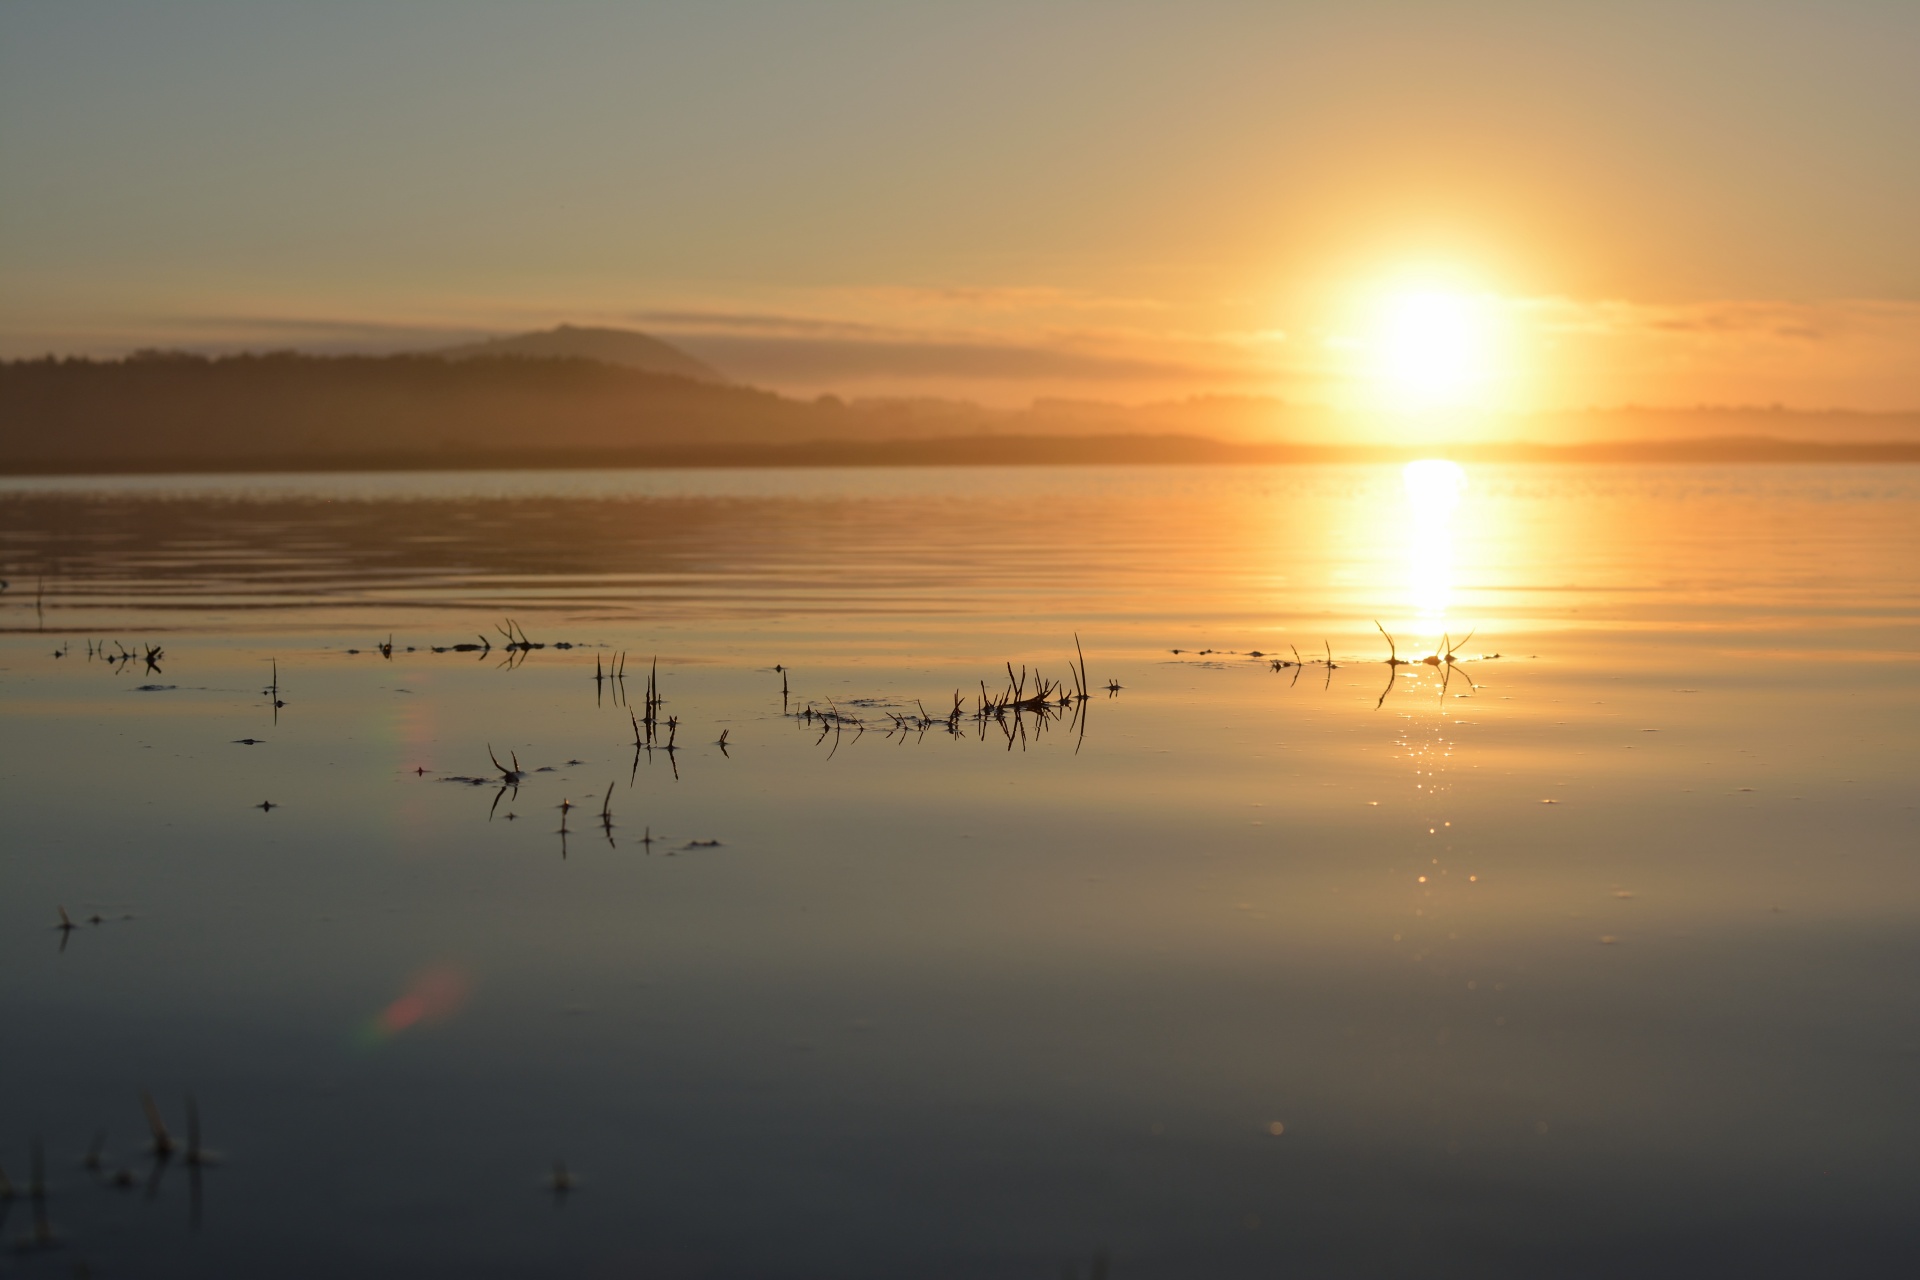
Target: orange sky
{"x": 1657, "y": 203}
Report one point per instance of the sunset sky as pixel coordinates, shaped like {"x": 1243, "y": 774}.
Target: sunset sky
{"x": 1498, "y": 203}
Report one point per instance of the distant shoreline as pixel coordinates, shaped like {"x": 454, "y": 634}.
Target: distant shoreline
{"x": 984, "y": 451}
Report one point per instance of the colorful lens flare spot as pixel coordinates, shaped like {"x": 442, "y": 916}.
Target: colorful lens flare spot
{"x": 433, "y": 995}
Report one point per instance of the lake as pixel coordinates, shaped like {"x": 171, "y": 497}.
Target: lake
{"x": 863, "y": 948}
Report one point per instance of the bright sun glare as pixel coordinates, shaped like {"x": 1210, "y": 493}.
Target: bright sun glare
{"x": 1432, "y": 348}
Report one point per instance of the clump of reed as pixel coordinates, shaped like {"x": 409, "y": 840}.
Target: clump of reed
{"x": 121, "y": 656}
{"x": 1444, "y": 658}
{"x": 610, "y": 676}
{"x": 1027, "y": 697}
{"x": 647, "y": 726}
{"x": 517, "y": 637}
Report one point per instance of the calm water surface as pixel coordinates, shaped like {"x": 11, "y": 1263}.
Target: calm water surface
{"x": 1596, "y": 954}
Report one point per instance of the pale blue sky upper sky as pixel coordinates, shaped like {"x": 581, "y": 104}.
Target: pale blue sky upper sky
{"x": 1112, "y": 182}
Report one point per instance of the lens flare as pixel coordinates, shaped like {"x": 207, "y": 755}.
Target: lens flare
{"x": 431, "y": 996}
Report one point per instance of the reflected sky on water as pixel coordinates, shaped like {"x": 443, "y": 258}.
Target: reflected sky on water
{"x": 1594, "y": 951}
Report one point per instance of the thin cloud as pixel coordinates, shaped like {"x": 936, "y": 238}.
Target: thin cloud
{"x": 304, "y": 325}
{"x": 1830, "y": 320}
{"x": 999, "y": 298}
{"x": 815, "y": 360}
{"x": 743, "y": 322}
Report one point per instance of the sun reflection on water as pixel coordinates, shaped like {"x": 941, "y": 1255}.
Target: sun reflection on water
{"x": 1433, "y": 488}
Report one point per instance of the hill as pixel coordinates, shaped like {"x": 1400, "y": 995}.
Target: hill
{"x": 623, "y": 347}
{"x": 174, "y": 410}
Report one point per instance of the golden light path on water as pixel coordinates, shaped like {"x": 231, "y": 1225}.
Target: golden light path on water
{"x": 1433, "y": 488}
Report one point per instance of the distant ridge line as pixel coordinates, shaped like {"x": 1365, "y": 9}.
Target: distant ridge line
{"x": 990, "y": 451}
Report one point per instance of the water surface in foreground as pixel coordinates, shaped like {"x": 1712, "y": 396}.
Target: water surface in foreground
{"x": 1596, "y": 955}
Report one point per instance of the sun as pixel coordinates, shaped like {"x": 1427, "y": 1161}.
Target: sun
{"x": 1431, "y": 348}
